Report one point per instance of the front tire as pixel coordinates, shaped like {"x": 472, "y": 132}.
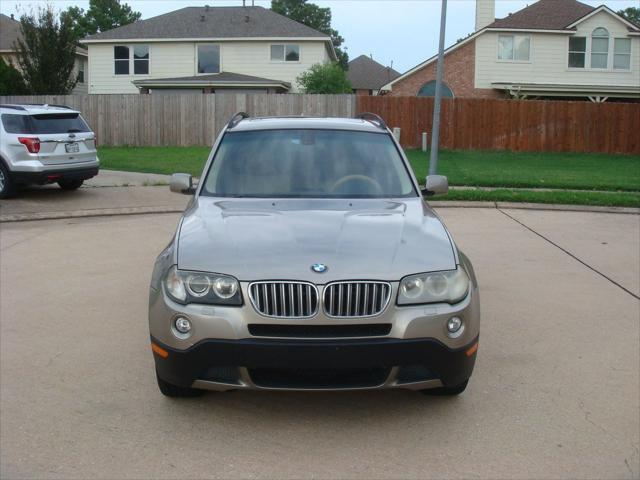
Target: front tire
{"x": 7, "y": 187}
{"x": 446, "y": 391}
{"x": 174, "y": 391}
{"x": 70, "y": 184}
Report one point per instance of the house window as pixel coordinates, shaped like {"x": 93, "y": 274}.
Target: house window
{"x": 600, "y": 48}
{"x": 515, "y": 48}
{"x": 121, "y": 60}
{"x": 80, "y": 77}
{"x": 622, "y": 54}
{"x": 141, "y": 60}
{"x": 208, "y": 58}
{"x": 123, "y": 56}
{"x": 429, "y": 90}
{"x": 577, "y": 52}
{"x": 285, "y": 53}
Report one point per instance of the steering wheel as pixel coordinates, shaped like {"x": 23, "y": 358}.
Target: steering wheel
{"x": 357, "y": 178}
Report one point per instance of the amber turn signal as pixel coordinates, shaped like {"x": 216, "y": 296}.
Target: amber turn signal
{"x": 159, "y": 350}
{"x": 472, "y": 350}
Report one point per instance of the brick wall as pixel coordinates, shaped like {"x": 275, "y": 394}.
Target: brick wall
{"x": 459, "y": 72}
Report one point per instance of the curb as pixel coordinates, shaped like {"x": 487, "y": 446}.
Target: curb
{"x": 110, "y": 212}
{"x": 535, "y": 206}
{"x": 98, "y": 212}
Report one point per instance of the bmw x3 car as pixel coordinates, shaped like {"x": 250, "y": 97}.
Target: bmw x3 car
{"x": 307, "y": 259}
{"x": 45, "y": 144}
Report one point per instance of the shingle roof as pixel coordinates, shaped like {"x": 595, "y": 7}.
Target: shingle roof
{"x": 212, "y": 22}
{"x": 10, "y": 32}
{"x": 545, "y": 15}
{"x": 367, "y": 74}
{"x": 217, "y": 78}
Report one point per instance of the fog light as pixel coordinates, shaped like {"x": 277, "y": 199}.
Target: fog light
{"x": 182, "y": 327}
{"x": 455, "y": 327}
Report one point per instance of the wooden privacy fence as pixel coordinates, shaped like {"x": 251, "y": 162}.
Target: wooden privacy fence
{"x": 467, "y": 124}
{"x": 524, "y": 125}
{"x": 183, "y": 120}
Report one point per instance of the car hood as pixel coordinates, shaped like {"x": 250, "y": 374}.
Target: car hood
{"x": 280, "y": 239}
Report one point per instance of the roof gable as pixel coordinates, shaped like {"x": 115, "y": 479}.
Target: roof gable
{"x": 367, "y": 74}
{"x": 211, "y": 22}
{"x": 605, "y": 9}
{"x": 545, "y": 15}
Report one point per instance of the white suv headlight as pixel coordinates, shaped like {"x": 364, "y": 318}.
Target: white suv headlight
{"x": 197, "y": 287}
{"x": 449, "y": 286}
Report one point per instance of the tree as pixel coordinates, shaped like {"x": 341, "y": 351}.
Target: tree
{"x": 46, "y": 52}
{"x": 102, "y": 15}
{"x": 325, "y": 78}
{"x": 632, "y": 14}
{"x": 11, "y": 82}
{"x": 315, "y": 17}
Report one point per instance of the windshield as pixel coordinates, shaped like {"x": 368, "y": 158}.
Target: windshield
{"x": 307, "y": 163}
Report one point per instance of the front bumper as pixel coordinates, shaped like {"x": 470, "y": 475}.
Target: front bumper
{"x": 316, "y": 364}
{"x": 224, "y": 351}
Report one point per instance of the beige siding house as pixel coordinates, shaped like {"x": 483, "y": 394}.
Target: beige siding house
{"x": 9, "y": 34}
{"x": 204, "y": 50}
{"x": 552, "y": 48}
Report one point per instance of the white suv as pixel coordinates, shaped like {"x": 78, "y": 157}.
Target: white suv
{"x": 45, "y": 144}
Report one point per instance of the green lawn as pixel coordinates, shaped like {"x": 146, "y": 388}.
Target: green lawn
{"x": 165, "y": 160}
{"x": 534, "y": 170}
{"x": 617, "y": 173}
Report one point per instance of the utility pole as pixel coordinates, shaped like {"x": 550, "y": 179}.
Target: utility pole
{"x": 435, "y": 133}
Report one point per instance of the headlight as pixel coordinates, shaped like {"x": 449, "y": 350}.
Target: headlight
{"x": 197, "y": 287}
{"x": 450, "y": 287}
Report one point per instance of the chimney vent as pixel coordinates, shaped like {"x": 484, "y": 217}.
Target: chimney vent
{"x": 12, "y": 17}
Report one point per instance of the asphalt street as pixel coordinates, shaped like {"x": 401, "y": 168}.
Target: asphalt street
{"x": 555, "y": 393}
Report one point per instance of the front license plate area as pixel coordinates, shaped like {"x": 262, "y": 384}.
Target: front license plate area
{"x": 72, "y": 147}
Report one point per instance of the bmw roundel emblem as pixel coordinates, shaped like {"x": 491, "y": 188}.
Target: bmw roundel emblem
{"x": 319, "y": 267}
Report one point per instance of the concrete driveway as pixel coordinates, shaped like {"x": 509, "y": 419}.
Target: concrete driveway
{"x": 555, "y": 393}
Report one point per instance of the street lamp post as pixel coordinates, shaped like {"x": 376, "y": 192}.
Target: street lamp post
{"x": 435, "y": 133}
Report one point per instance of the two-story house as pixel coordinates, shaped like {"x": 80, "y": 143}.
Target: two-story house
{"x": 10, "y": 33}
{"x": 552, "y": 48}
{"x": 206, "y": 50}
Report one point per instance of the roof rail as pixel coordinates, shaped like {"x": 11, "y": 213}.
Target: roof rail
{"x": 12, "y": 106}
{"x": 372, "y": 118}
{"x": 21, "y": 106}
{"x": 236, "y": 119}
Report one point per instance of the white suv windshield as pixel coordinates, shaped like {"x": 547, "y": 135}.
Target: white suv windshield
{"x": 308, "y": 163}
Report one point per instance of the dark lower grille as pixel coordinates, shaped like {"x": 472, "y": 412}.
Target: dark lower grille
{"x": 284, "y": 299}
{"x": 320, "y": 331}
{"x": 356, "y": 299}
{"x": 311, "y": 378}
{"x": 415, "y": 373}
{"x": 221, "y": 375}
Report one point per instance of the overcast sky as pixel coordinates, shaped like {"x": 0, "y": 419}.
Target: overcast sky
{"x": 404, "y": 32}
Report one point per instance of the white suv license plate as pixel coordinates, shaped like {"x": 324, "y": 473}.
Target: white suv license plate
{"x": 72, "y": 147}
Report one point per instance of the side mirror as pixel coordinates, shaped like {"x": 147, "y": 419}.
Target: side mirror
{"x": 436, "y": 185}
{"x": 182, "y": 183}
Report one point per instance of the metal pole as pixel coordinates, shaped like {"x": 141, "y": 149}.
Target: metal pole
{"x": 435, "y": 134}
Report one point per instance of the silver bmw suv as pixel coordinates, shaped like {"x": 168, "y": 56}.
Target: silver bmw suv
{"x": 307, "y": 259}
{"x": 44, "y": 144}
